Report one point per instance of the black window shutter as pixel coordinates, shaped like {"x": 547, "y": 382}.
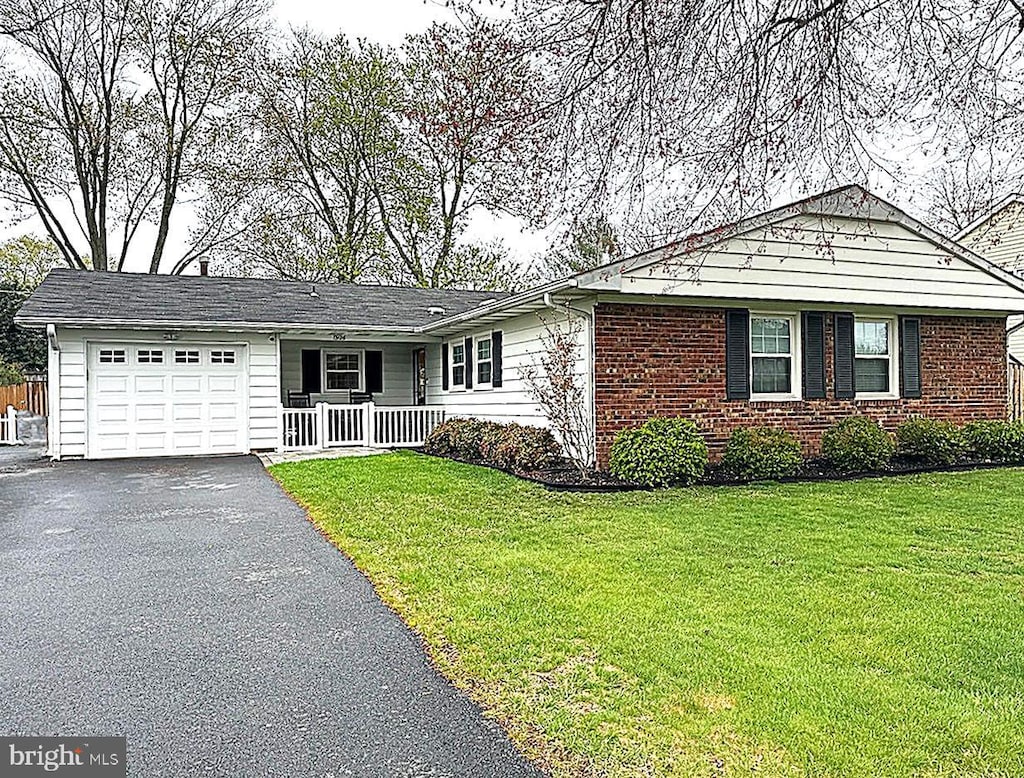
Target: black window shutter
{"x": 813, "y": 327}
{"x": 444, "y": 366}
{"x": 469, "y": 363}
{"x": 310, "y": 371}
{"x": 910, "y": 356}
{"x": 737, "y": 355}
{"x": 845, "y": 388}
{"x": 496, "y": 358}
{"x": 374, "y": 371}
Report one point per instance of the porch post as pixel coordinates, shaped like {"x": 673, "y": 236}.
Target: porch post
{"x": 12, "y": 424}
{"x": 321, "y": 425}
{"x": 368, "y": 424}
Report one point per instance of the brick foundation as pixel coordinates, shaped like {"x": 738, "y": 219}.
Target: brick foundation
{"x": 670, "y": 361}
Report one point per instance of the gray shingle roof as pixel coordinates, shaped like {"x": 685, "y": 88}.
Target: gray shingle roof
{"x": 78, "y": 297}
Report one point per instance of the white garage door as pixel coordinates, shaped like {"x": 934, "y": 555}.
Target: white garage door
{"x": 159, "y": 399}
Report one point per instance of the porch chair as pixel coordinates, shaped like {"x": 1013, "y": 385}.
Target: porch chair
{"x": 298, "y": 399}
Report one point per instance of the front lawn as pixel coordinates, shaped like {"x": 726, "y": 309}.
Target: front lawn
{"x": 866, "y": 628}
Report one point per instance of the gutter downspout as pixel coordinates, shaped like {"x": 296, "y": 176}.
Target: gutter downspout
{"x": 53, "y": 392}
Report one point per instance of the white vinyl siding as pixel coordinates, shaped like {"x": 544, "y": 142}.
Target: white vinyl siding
{"x": 824, "y": 261}
{"x": 397, "y": 364}
{"x": 70, "y": 411}
{"x": 521, "y": 346}
{"x": 1000, "y": 238}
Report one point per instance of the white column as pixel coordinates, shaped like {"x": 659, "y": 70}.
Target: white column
{"x": 368, "y": 423}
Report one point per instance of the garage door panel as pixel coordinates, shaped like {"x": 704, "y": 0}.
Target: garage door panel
{"x": 227, "y": 384}
{"x": 224, "y": 411}
{"x": 112, "y": 414}
{"x": 182, "y": 413}
{"x": 146, "y": 384}
{"x": 186, "y": 384}
{"x": 147, "y": 442}
{"x": 112, "y": 442}
{"x": 148, "y": 406}
{"x": 151, "y": 413}
{"x": 111, "y": 384}
{"x": 226, "y": 440}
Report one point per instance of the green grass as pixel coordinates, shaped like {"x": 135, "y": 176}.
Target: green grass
{"x": 866, "y": 628}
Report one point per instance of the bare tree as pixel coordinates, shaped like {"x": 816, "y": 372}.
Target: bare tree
{"x": 466, "y": 142}
{"x": 111, "y": 111}
{"x": 556, "y": 384}
{"x": 717, "y": 107}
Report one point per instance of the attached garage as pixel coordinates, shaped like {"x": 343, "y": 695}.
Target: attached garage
{"x": 156, "y": 399}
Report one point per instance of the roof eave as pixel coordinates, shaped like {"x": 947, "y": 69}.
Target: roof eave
{"x": 107, "y": 323}
{"x": 498, "y": 306}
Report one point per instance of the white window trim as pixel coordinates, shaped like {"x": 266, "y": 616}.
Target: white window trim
{"x": 452, "y": 386}
{"x": 323, "y": 369}
{"x": 894, "y": 358}
{"x": 486, "y": 385}
{"x": 796, "y": 357}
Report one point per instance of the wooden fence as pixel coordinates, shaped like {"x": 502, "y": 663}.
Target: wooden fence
{"x": 1016, "y": 384}
{"x": 29, "y": 396}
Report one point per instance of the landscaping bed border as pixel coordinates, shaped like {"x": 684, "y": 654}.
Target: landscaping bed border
{"x": 812, "y": 471}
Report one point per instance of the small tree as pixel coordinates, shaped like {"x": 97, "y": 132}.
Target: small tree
{"x": 556, "y": 385}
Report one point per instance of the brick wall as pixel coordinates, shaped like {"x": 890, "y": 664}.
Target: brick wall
{"x": 668, "y": 360}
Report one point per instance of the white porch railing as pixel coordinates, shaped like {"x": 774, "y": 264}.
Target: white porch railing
{"x": 331, "y": 426}
{"x": 9, "y": 427}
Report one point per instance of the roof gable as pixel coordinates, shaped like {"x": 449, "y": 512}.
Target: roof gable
{"x": 846, "y": 247}
{"x": 999, "y": 235}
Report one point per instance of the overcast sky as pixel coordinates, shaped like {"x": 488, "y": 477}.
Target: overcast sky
{"x": 386, "y": 21}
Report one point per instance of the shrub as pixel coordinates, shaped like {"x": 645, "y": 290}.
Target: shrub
{"x": 459, "y": 438}
{"x": 931, "y": 441}
{"x": 519, "y": 447}
{"x": 856, "y": 444}
{"x": 661, "y": 452}
{"x": 510, "y": 446}
{"x": 762, "y": 453}
{"x": 995, "y": 441}
{"x": 10, "y": 374}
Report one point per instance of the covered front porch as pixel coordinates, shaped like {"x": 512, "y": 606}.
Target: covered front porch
{"x": 354, "y": 392}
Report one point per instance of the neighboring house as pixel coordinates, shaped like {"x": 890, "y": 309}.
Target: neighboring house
{"x": 998, "y": 236}
{"x": 840, "y": 304}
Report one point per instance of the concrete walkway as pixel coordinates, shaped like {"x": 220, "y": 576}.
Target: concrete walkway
{"x": 329, "y": 453}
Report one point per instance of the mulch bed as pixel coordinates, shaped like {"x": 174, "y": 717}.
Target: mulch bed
{"x": 565, "y": 477}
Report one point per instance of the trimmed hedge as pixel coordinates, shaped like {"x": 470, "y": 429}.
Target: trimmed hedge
{"x": 661, "y": 452}
{"x": 857, "y": 444}
{"x": 995, "y": 441}
{"x": 762, "y": 454}
{"x": 508, "y": 446}
{"x": 931, "y": 441}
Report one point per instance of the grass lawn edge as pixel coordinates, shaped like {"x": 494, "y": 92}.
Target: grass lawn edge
{"x": 443, "y": 657}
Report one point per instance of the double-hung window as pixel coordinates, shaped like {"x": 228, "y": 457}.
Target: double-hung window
{"x": 483, "y": 361}
{"x": 772, "y": 357}
{"x": 458, "y": 364}
{"x": 341, "y": 371}
{"x": 873, "y": 365}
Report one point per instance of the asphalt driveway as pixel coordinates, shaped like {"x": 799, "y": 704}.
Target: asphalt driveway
{"x": 188, "y": 605}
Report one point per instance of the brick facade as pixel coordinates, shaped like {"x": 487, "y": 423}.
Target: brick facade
{"x": 670, "y": 361}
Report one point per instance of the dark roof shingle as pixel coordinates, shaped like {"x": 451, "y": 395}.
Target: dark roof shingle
{"x": 79, "y": 297}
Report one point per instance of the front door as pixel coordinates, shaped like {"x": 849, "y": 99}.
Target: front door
{"x": 419, "y": 372}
